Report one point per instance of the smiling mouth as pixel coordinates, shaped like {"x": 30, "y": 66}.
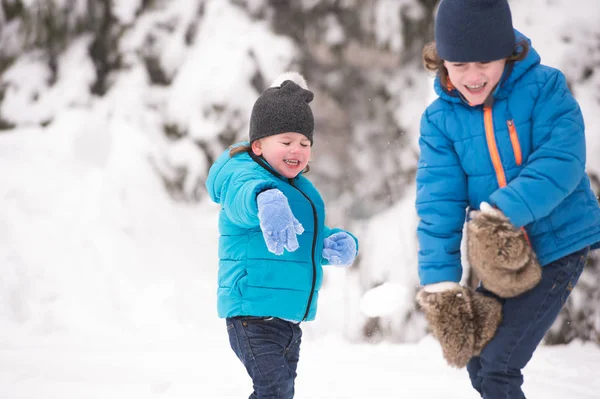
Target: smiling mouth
{"x": 293, "y": 162}
{"x": 476, "y": 87}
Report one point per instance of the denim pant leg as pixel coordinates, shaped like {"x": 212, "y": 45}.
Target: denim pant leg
{"x": 292, "y": 352}
{"x": 269, "y": 348}
{"x": 496, "y": 373}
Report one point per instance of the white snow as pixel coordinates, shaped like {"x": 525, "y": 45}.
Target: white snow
{"x": 108, "y": 285}
{"x": 199, "y": 367}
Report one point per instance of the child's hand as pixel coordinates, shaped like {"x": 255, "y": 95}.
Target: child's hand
{"x": 463, "y": 320}
{"x": 339, "y": 249}
{"x": 278, "y": 224}
{"x": 500, "y": 253}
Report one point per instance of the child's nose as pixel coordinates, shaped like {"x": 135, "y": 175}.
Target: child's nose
{"x": 471, "y": 71}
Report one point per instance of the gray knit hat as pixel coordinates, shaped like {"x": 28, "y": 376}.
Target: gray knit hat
{"x": 283, "y": 107}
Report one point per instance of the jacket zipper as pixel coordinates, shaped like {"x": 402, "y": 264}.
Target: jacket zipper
{"x": 314, "y": 247}
{"x": 491, "y": 142}
{"x": 263, "y": 163}
{"x": 495, "y": 154}
{"x": 514, "y": 140}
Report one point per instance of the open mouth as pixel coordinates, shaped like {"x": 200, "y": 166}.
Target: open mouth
{"x": 292, "y": 162}
{"x": 476, "y": 88}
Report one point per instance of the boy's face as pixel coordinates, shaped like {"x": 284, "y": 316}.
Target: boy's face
{"x": 288, "y": 153}
{"x": 475, "y": 80}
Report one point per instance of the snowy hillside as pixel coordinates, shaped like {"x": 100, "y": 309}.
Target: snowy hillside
{"x": 107, "y": 235}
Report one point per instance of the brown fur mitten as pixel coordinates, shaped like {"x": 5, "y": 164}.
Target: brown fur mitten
{"x": 500, "y": 254}
{"x": 462, "y": 320}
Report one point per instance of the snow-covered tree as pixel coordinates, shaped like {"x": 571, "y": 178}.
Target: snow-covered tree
{"x": 176, "y": 79}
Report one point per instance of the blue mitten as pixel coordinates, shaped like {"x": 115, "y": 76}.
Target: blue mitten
{"x": 277, "y": 222}
{"x": 339, "y": 249}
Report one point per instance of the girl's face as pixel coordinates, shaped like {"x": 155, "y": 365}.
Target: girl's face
{"x": 475, "y": 80}
{"x": 287, "y": 153}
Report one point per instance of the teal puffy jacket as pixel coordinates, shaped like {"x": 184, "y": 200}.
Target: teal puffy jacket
{"x": 525, "y": 154}
{"x": 252, "y": 280}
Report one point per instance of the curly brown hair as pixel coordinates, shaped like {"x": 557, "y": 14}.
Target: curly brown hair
{"x": 433, "y": 62}
{"x": 239, "y": 149}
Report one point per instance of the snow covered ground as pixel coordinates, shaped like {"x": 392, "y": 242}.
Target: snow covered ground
{"x": 202, "y": 366}
{"x": 107, "y": 285}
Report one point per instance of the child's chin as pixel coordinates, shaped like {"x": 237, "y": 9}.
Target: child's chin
{"x": 477, "y": 99}
{"x": 288, "y": 173}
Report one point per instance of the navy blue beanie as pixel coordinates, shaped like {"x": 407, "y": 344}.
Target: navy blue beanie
{"x": 474, "y": 30}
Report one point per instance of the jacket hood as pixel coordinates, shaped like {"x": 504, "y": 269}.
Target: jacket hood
{"x": 512, "y": 73}
{"x": 225, "y": 165}
{"x": 216, "y": 177}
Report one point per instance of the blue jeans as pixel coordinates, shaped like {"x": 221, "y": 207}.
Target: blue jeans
{"x": 496, "y": 373}
{"x": 269, "y": 348}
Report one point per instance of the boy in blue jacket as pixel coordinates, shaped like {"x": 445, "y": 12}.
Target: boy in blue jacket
{"x": 505, "y": 138}
{"x": 273, "y": 238}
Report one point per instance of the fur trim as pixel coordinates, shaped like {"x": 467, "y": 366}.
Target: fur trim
{"x": 293, "y": 76}
{"x": 487, "y": 313}
{"x": 462, "y": 320}
{"x": 490, "y": 210}
{"x": 441, "y": 287}
{"x": 500, "y": 254}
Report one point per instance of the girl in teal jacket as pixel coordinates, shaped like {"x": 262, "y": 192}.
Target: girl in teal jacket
{"x": 505, "y": 135}
{"x": 273, "y": 238}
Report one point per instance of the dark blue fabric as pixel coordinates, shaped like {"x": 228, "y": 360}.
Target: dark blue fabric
{"x": 269, "y": 348}
{"x": 496, "y": 373}
{"x": 474, "y": 30}
{"x": 549, "y": 193}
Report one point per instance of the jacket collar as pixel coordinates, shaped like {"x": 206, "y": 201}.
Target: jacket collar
{"x": 263, "y": 162}
{"x": 512, "y": 72}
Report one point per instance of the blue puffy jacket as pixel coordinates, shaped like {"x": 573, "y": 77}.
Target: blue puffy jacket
{"x": 252, "y": 280}
{"x": 524, "y": 153}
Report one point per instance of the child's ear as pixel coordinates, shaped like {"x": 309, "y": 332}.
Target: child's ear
{"x": 256, "y": 147}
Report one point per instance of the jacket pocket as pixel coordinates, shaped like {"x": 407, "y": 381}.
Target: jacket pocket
{"x": 514, "y": 140}
{"x": 241, "y": 283}
{"x": 279, "y": 275}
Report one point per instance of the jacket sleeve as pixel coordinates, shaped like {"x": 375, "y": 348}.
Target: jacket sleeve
{"x": 327, "y": 232}
{"x": 441, "y": 203}
{"x": 238, "y": 200}
{"x": 557, "y": 163}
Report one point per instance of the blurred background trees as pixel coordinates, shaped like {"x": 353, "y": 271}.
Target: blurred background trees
{"x": 194, "y": 68}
